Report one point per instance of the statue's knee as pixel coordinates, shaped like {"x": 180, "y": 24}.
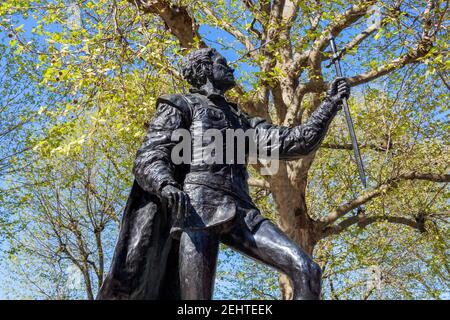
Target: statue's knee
{"x": 307, "y": 280}
{"x": 308, "y": 269}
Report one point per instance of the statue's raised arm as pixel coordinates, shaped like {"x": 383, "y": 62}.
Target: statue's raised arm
{"x": 305, "y": 138}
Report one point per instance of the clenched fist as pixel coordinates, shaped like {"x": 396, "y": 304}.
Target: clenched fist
{"x": 176, "y": 199}
{"x": 339, "y": 89}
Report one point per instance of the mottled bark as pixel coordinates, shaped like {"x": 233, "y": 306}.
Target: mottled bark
{"x": 176, "y": 18}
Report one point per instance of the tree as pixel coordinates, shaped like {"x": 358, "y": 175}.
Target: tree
{"x": 22, "y": 104}
{"x": 396, "y": 66}
{"x": 67, "y": 221}
{"x": 64, "y": 197}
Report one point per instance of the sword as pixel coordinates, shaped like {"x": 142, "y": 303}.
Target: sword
{"x": 337, "y": 65}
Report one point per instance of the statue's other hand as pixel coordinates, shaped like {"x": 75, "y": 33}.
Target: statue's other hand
{"x": 176, "y": 199}
{"x": 339, "y": 89}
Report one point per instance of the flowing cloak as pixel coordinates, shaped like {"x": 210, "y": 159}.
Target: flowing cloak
{"x": 145, "y": 262}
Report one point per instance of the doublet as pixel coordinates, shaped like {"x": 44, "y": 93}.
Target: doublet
{"x": 218, "y": 190}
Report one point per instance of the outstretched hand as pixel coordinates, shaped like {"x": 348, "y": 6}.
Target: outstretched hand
{"x": 339, "y": 89}
{"x": 177, "y": 199}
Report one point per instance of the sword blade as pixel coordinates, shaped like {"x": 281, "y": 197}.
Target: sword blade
{"x": 348, "y": 118}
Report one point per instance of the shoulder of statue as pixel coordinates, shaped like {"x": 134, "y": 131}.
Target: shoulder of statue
{"x": 180, "y": 102}
{"x": 252, "y": 121}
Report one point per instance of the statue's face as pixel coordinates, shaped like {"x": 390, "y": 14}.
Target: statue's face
{"x": 222, "y": 73}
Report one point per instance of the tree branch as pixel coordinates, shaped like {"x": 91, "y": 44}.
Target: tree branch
{"x": 422, "y": 48}
{"x": 348, "y": 146}
{"x": 335, "y": 28}
{"x": 411, "y": 57}
{"x": 259, "y": 183}
{"x": 356, "y": 41}
{"x": 235, "y": 32}
{"x": 257, "y": 13}
{"x": 289, "y": 15}
{"x": 392, "y": 183}
{"x": 363, "y": 222}
{"x": 176, "y": 18}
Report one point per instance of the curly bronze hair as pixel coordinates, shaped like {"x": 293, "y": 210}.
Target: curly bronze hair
{"x": 196, "y": 67}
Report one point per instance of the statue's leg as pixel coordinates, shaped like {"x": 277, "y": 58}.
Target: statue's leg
{"x": 198, "y": 258}
{"x": 268, "y": 244}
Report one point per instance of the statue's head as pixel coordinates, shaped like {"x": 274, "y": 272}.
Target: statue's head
{"x": 206, "y": 64}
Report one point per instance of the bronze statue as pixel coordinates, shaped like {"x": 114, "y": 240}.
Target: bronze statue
{"x": 177, "y": 214}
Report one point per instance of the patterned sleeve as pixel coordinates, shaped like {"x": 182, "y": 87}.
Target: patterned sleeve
{"x": 292, "y": 143}
{"x": 153, "y": 167}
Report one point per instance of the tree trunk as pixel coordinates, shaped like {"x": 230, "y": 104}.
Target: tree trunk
{"x": 87, "y": 283}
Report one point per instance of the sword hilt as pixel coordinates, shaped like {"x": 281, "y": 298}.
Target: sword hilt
{"x": 336, "y": 55}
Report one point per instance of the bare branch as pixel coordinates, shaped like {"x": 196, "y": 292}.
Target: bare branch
{"x": 177, "y": 19}
{"x": 363, "y": 222}
{"x": 348, "y": 146}
{"x": 443, "y": 80}
{"x": 414, "y": 56}
{"x": 335, "y": 28}
{"x": 392, "y": 183}
{"x": 289, "y": 14}
{"x": 258, "y": 14}
{"x": 411, "y": 57}
{"x": 356, "y": 41}
{"x": 235, "y": 32}
{"x": 422, "y": 48}
{"x": 413, "y": 175}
